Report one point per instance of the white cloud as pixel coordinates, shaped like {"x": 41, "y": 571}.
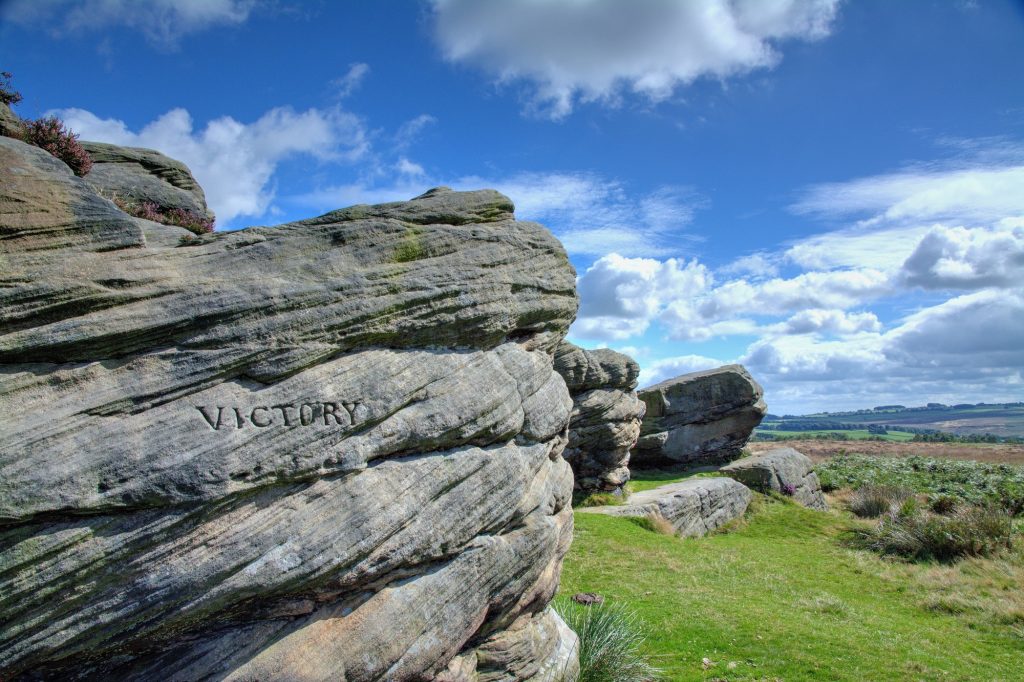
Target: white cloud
{"x": 409, "y": 131}
{"x": 234, "y": 162}
{"x": 619, "y": 296}
{"x": 407, "y": 167}
{"x": 594, "y": 215}
{"x": 814, "y": 320}
{"x": 974, "y": 194}
{"x": 163, "y": 22}
{"x": 669, "y": 368}
{"x": 962, "y": 258}
{"x": 594, "y": 50}
{"x": 352, "y": 79}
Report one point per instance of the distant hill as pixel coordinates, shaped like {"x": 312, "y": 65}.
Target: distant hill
{"x": 1004, "y": 420}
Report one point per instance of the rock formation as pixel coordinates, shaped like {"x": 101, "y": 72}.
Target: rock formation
{"x": 694, "y": 507}
{"x": 606, "y": 415}
{"x": 782, "y": 470}
{"x": 325, "y": 450}
{"x": 699, "y": 419}
{"x": 134, "y": 174}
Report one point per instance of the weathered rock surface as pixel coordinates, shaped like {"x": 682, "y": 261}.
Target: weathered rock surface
{"x": 782, "y": 470}
{"x": 694, "y": 507}
{"x": 138, "y": 175}
{"x": 327, "y": 450}
{"x": 606, "y": 415}
{"x": 699, "y": 418}
{"x": 10, "y": 122}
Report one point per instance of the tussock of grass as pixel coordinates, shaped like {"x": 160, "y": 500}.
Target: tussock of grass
{"x": 871, "y": 501}
{"x": 914, "y": 533}
{"x": 580, "y": 499}
{"x": 611, "y": 643}
{"x": 655, "y": 523}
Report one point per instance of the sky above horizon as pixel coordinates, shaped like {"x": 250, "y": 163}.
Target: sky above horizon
{"x": 828, "y": 192}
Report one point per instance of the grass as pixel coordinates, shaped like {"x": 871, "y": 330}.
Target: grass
{"x": 852, "y": 434}
{"x": 783, "y": 597}
{"x": 611, "y": 642}
{"x": 974, "y": 482}
{"x": 646, "y": 479}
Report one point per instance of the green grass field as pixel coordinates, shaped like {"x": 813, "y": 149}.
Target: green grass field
{"x": 853, "y": 434}
{"x": 782, "y": 597}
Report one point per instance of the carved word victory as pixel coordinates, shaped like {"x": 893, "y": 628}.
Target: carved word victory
{"x": 290, "y": 414}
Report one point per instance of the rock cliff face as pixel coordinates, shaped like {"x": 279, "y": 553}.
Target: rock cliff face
{"x": 700, "y": 418}
{"x": 137, "y": 174}
{"x": 606, "y": 415}
{"x": 325, "y": 450}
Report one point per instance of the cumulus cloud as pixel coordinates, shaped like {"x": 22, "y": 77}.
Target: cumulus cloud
{"x": 163, "y": 22}
{"x": 834, "y": 321}
{"x": 620, "y": 296}
{"x": 961, "y": 258}
{"x": 596, "y": 50}
{"x": 669, "y": 368}
{"x": 234, "y": 162}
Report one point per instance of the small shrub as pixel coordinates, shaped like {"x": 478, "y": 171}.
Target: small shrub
{"x": 8, "y": 95}
{"x": 611, "y": 643}
{"x": 871, "y": 501}
{"x": 943, "y": 504}
{"x": 50, "y": 135}
{"x": 970, "y": 531}
{"x": 195, "y": 223}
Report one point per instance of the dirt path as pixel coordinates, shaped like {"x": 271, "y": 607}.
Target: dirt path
{"x": 823, "y": 449}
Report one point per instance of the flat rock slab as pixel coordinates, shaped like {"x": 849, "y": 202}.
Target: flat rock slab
{"x": 783, "y": 470}
{"x": 694, "y": 507}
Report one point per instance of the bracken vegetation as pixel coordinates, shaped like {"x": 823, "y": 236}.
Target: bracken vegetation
{"x": 978, "y": 483}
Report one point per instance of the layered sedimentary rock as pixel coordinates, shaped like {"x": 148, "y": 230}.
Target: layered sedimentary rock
{"x": 606, "y": 415}
{"x": 325, "y": 450}
{"x": 694, "y": 507}
{"x": 782, "y": 470}
{"x": 700, "y": 418}
{"x": 139, "y": 175}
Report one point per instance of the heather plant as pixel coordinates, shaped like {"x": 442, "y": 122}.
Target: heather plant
{"x": 8, "y": 95}
{"x": 49, "y": 134}
{"x": 196, "y": 223}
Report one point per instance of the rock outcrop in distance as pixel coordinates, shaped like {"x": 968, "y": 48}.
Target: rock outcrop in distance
{"x": 135, "y": 174}
{"x": 327, "y": 450}
{"x": 606, "y": 415}
{"x": 782, "y": 470}
{"x": 703, "y": 418}
{"x": 694, "y": 507}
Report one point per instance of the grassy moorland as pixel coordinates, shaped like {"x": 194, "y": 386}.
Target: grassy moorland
{"x": 781, "y": 596}
{"x": 851, "y": 434}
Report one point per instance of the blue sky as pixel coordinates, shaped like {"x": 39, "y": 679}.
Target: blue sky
{"x": 831, "y": 193}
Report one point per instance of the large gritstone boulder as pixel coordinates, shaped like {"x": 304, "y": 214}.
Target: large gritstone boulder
{"x": 782, "y": 470}
{"x": 699, "y": 419}
{"x": 327, "y": 450}
{"x": 606, "y": 415}
{"x": 135, "y": 175}
{"x": 694, "y": 507}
